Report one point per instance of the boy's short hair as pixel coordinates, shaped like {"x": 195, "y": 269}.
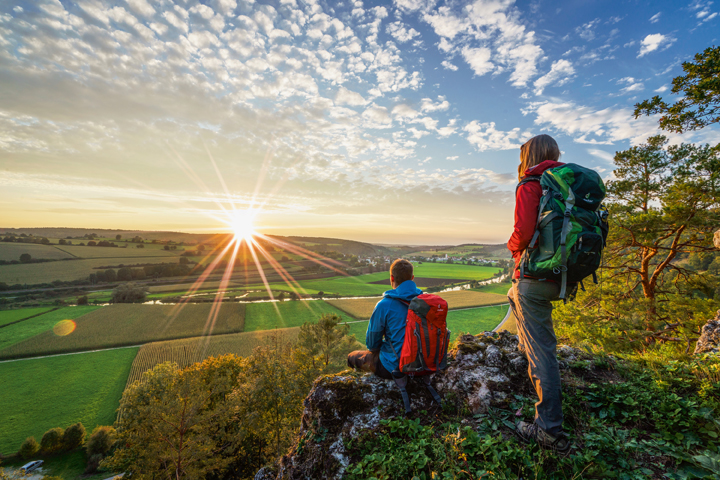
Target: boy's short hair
{"x": 402, "y": 270}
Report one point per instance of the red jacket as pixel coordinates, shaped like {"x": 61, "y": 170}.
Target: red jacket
{"x": 527, "y": 202}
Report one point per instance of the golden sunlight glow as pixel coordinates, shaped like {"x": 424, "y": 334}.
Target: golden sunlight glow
{"x": 241, "y": 223}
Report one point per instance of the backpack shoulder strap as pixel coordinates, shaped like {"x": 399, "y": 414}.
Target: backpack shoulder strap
{"x": 526, "y": 179}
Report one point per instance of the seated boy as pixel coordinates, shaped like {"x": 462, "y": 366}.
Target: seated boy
{"x": 386, "y": 331}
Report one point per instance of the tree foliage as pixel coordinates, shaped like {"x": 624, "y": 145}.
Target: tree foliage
{"x": 74, "y": 436}
{"x": 129, "y": 293}
{"x": 325, "y": 341}
{"x": 29, "y": 448}
{"x": 100, "y": 441}
{"x": 699, "y": 105}
{"x": 52, "y": 440}
{"x": 664, "y": 206}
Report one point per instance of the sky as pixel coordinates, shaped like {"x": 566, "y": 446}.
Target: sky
{"x": 388, "y": 122}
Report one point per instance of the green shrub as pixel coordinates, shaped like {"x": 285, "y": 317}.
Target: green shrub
{"x": 74, "y": 436}
{"x": 29, "y": 448}
{"x": 52, "y": 440}
{"x": 100, "y": 441}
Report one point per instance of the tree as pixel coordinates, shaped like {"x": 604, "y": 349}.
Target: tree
{"x": 45, "y": 241}
{"x": 665, "y": 202}
{"x": 100, "y": 441}
{"x": 699, "y": 90}
{"x": 326, "y": 341}
{"x": 201, "y": 248}
{"x": 664, "y": 206}
{"x": 184, "y": 261}
{"x": 129, "y": 293}
{"x": 29, "y": 448}
{"x": 140, "y": 245}
{"x": 110, "y": 275}
{"x": 124, "y": 274}
{"x": 82, "y": 300}
{"x": 194, "y": 433}
{"x": 92, "y": 243}
{"x": 166, "y": 247}
{"x": 118, "y": 237}
{"x": 25, "y": 258}
{"x": 74, "y": 436}
{"x": 52, "y": 440}
{"x": 62, "y": 241}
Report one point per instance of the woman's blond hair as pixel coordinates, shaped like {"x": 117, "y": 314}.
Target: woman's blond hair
{"x": 535, "y": 151}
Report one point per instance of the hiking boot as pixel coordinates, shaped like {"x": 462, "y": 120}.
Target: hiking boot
{"x": 531, "y": 431}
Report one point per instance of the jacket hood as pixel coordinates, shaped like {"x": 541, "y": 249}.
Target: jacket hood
{"x": 405, "y": 291}
{"x": 540, "y": 168}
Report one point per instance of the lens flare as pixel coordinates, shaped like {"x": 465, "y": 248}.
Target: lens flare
{"x": 64, "y": 327}
{"x": 241, "y": 223}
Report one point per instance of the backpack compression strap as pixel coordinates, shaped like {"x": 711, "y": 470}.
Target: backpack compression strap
{"x": 569, "y": 204}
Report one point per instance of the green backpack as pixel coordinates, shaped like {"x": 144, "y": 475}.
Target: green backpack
{"x": 571, "y": 229}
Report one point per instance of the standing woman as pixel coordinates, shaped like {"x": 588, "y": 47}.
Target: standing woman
{"x": 530, "y": 299}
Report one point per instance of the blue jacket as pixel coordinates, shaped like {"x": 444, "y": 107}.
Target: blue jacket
{"x": 388, "y": 320}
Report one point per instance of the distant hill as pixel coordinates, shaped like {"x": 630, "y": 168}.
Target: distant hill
{"x": 316, "y": 244}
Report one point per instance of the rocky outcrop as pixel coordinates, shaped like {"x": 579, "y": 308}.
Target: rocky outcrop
{"x": 716, "y": 239}
{"x": 709, "y": 341}
{"x": 484, "y": 371}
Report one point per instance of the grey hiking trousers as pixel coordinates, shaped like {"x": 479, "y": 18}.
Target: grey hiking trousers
{"x": 531, "y": 303}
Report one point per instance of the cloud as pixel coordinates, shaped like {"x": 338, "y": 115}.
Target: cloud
{"x": 449, "y": 66}
{"x": 490, "y": 37}
{"x": 655, "y": 18}
{"x": 427, "y": 104}
{"x": 378, "y": 115}
{"x": 633, "y": 85}
{"x": 587, "y": 31}
{"x": 348, "y": 97}
{"x": 561, "y": 72}
{"x": 478, "y": 59}
{"x": 601, "y": 154}
{"x": 486, "y": 137}
{"x": 400, "y": 33}
{"x": 593, "y": 126}
{"x": 652, "y": 42}
{"x": 453, "y": 158}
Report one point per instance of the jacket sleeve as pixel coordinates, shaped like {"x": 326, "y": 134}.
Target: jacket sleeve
{"x": 376, "y": 329}
{"x": 527, "y": 202}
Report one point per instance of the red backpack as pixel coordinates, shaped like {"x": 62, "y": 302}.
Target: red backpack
{"x": 424, "y": 351}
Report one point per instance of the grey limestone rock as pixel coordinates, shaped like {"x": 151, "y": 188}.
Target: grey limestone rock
{"x": 483, "y": 371}
{"x": 709, "y": 341}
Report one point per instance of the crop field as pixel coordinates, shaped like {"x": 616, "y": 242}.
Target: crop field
{"x": 12, "y": 251}
{"x": 39, "y": 394}
{"x": 22, "y": 331}
{"x": 10, "y": 316}
{"x": 116, "y": 252}
{"x": 264, "y": 316}
{"x": 474, "y": 321}
{"x": 129, "y": 324}
{"x": 35, "y": 273}
{"x": 187, "y": 351}
{"x": 362, "y": 308}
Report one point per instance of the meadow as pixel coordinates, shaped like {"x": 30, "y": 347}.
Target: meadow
{"x": 20, "y": 332}
{"x": 43, "y": 393}
{"x": 128, "y": 324}
{"x": 187, "y": 351}
{"x": 362, "y": 308}
{"x": 271, "y": 315}
{"x": 453, "y": 271}
{"x": 10, "y": 316}
{"x": 473, "y": 321}
{"x": 12, "y": 251}
{"x": 499, "y": 288}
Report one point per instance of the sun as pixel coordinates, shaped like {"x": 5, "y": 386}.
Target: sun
{"x": 241, "y": 223}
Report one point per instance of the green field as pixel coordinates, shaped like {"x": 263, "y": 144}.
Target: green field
{"x": 66, "y": 465}
{"x": 35, "y": 273}
{"x": 472, "y": 320}
{"x": 10, "y": 316}
{"x": 264, "y": 316}
{"x": 39, "y": 394}
{"x": 499, "y": 288}
{"x": 12, "y": 251}
{"x": 464, "y": 272}
{"x": 129, "y": 324}
{"x": 20, "y": 332}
